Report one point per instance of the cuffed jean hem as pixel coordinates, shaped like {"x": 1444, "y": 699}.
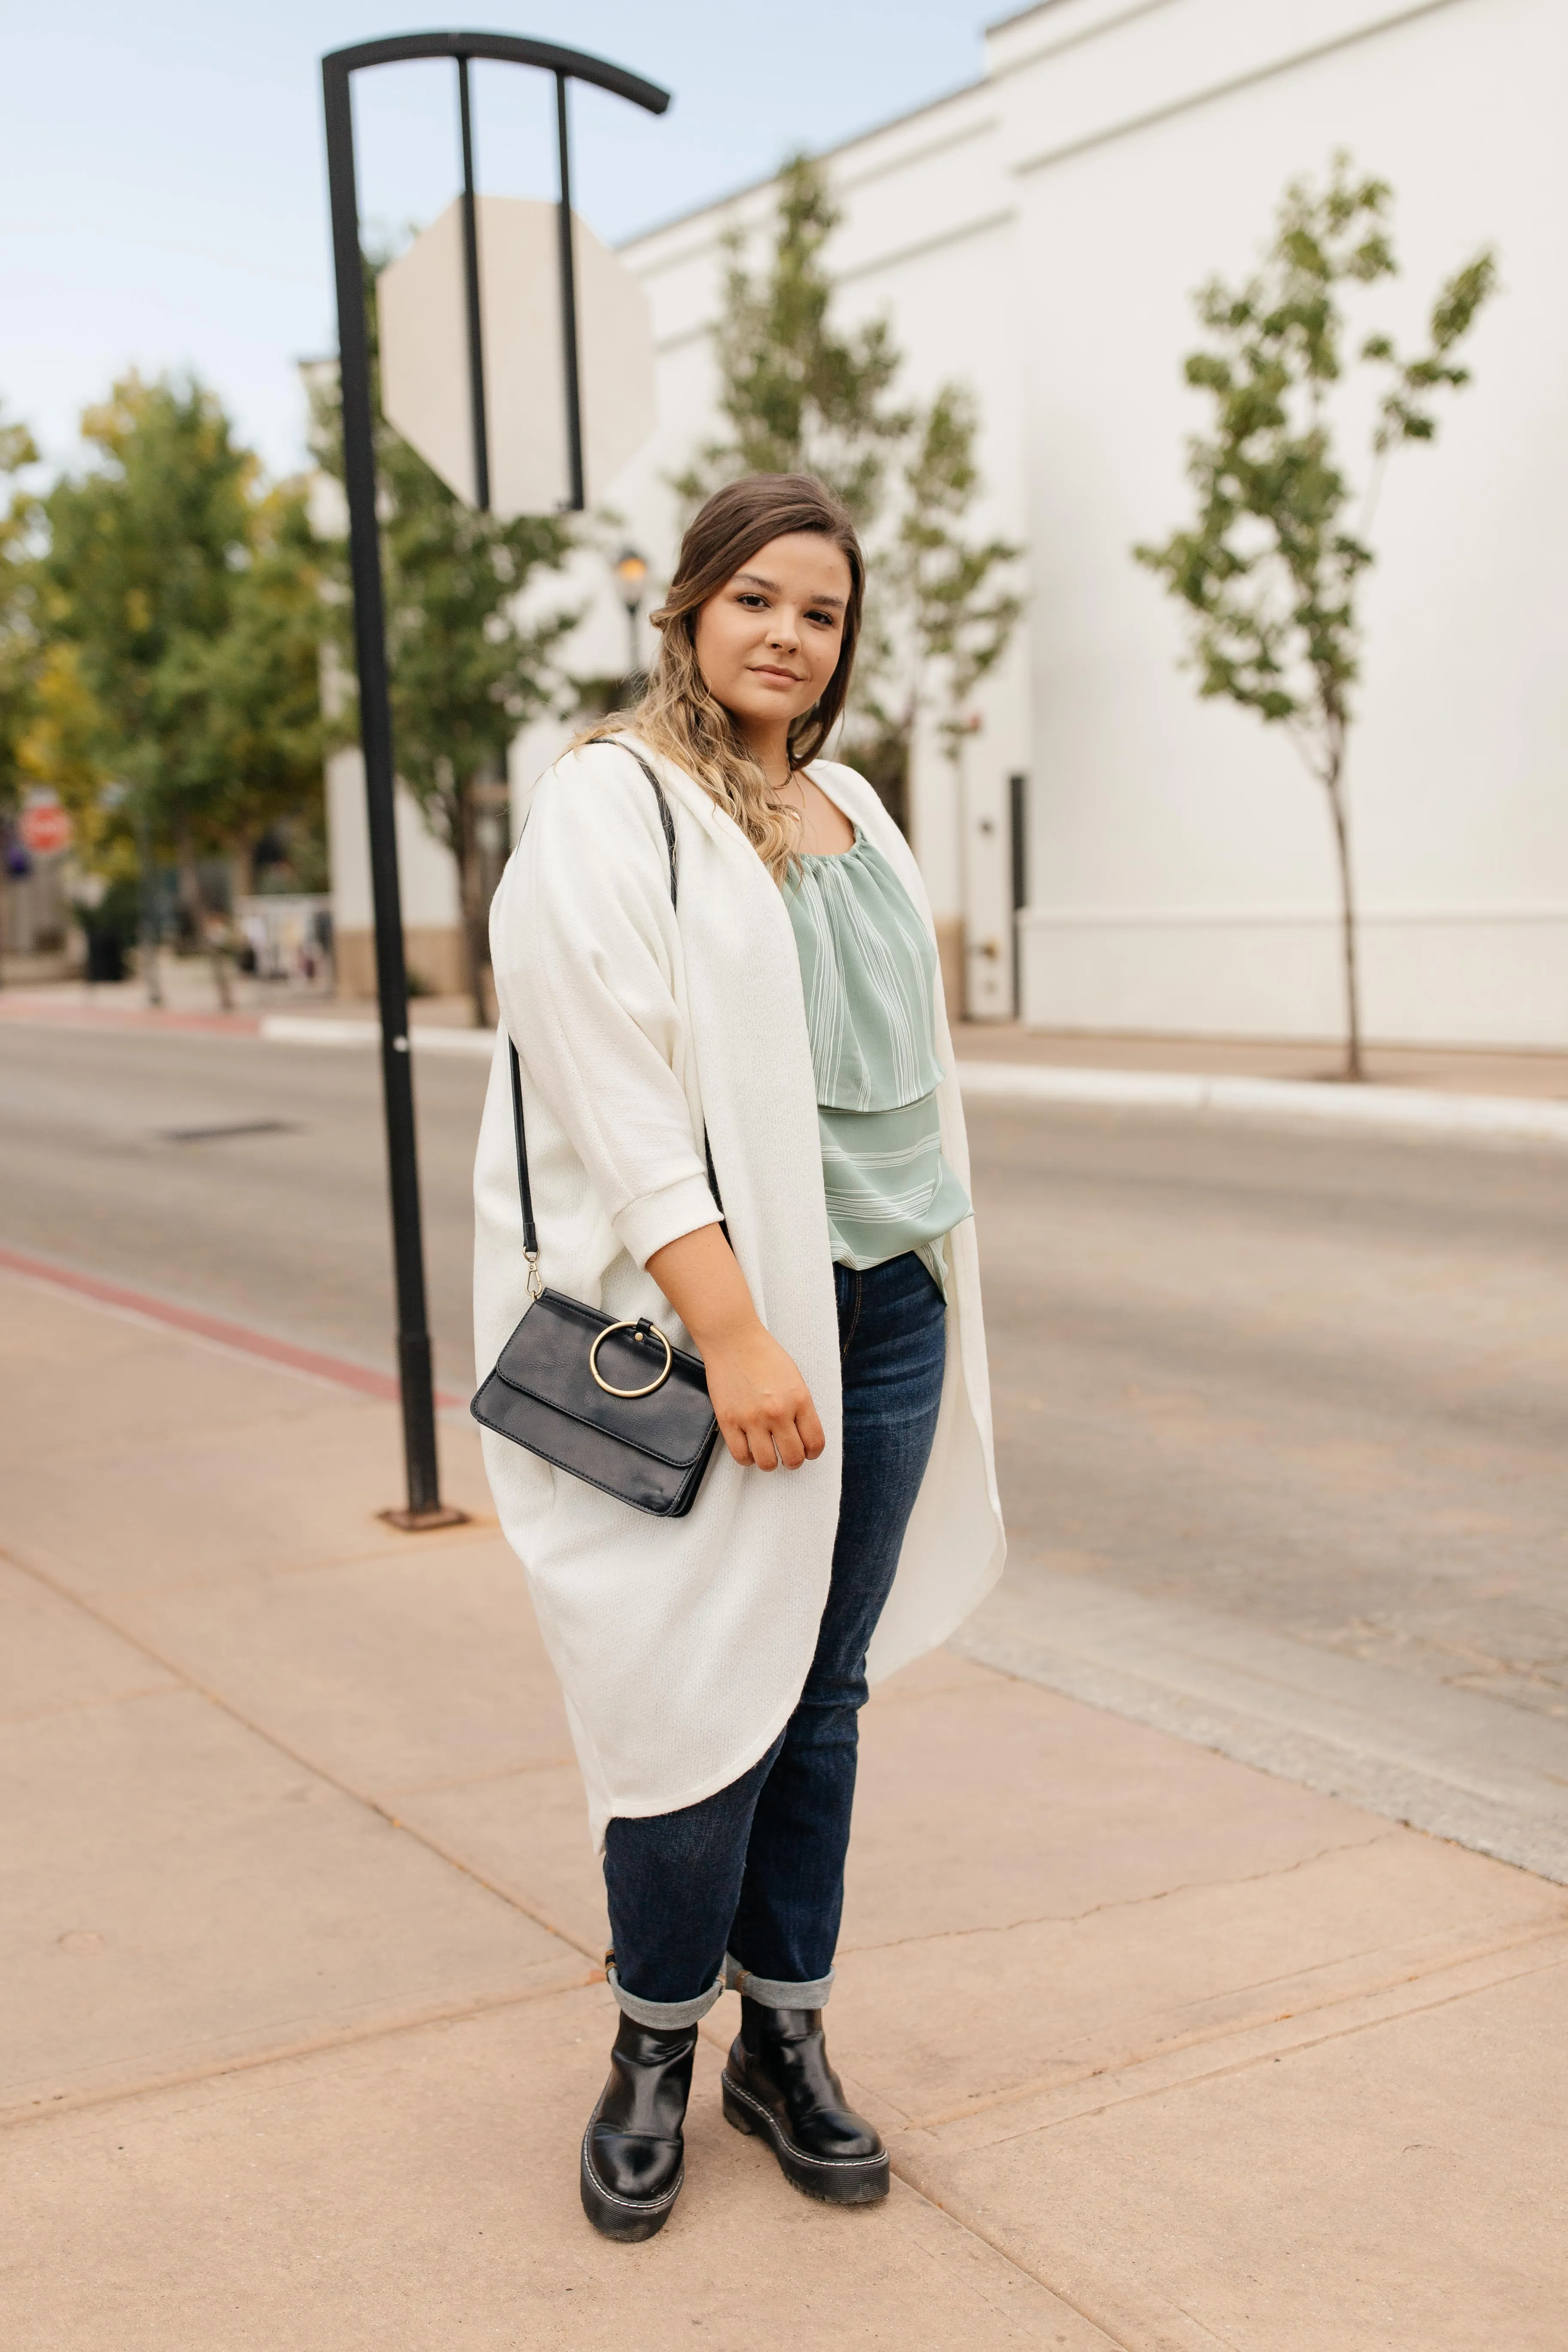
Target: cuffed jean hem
{"x": 773, "y": 1991}
{"x": 671, "y": 2015}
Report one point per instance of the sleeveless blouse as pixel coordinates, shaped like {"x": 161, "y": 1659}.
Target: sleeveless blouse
{"x": 868, "y": 966}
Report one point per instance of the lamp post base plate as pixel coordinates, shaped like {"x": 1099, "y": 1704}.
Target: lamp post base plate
{"x": 420, "y": 1523}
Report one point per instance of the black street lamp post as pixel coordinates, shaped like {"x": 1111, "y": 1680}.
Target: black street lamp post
{"x": 631, "y": 573}
{"x": 425, "y": 1508}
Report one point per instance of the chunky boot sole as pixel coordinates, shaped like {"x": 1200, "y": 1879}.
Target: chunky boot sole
{"x": 628, "y": 2218}
{"x": 838, "y": 2180}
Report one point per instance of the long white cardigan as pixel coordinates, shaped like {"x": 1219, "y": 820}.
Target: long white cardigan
{"x": 682, "y": 1645}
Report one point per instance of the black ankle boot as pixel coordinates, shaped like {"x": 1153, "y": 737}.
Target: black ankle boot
{"x": 778, "y": 2083}
{"x": 633, "y": 2156}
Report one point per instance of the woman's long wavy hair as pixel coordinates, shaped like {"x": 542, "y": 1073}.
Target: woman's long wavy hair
{"x": 677, "y": 715}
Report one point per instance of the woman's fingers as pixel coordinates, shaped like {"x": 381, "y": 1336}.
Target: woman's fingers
{"x": 791, "y": 1451}
{"x": 750, "y": 1443}
{"x": 739, "y": 1444}
{"x": 766, "y": 1443}
{"x": 775, "y": 1444}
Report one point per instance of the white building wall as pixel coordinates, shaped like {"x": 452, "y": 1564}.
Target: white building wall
{"x": 1182, "y": 871}
{"x": 1038, "y": 236}
{"x": 427, "y": 878}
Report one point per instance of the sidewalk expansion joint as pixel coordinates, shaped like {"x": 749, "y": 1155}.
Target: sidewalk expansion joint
{"x": 306, "y": 1763}
{"x": 974, "y": 2227}
{"x": 1280, "y": 2046}
{"x": 1019, "y": 2270}
{"x": 249, "y": 2061}
{"x": 1131, "y": 1901}
{"x": 1009, "y": 2254}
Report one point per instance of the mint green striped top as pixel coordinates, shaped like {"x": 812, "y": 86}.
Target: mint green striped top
{"x": 869, "y": 969}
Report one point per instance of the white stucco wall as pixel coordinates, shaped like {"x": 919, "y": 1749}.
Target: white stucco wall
{"x": 1183, "y": 872}
{"x": 428, "y": 872}
{"x": 1038, "y": 236}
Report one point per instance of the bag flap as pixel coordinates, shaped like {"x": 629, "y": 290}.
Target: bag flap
{"x": 546, "y": 1357}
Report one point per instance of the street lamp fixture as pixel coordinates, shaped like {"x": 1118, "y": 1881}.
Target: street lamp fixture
{"x": 631, "y": 571}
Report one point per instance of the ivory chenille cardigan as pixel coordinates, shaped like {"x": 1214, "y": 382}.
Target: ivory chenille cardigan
{"x": 682, "y": 1645}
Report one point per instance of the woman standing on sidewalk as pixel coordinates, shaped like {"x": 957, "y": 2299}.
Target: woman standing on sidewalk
{"x": 786, "y": 999}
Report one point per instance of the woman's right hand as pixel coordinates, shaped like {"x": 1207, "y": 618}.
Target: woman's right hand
{"x": 763, "y": 1405}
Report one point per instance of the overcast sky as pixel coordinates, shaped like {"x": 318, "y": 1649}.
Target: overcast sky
{"x": 164, "y": 177}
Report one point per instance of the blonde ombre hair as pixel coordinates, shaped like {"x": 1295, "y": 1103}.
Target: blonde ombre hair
{"x": 678, "y": 716}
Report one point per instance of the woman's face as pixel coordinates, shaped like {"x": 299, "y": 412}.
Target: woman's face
{"x": 768, "y": 643}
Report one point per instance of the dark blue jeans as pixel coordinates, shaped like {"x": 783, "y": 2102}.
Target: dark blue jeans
{"x": 748, "y": 1885}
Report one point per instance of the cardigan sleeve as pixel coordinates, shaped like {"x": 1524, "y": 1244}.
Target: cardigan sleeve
{"x": 585, "y": 953}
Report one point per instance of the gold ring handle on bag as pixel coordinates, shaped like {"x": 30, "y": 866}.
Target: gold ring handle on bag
{"x": 656, "y": 1384}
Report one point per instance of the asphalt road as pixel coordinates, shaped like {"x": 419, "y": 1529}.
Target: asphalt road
{"x": 1315, "y": 1381}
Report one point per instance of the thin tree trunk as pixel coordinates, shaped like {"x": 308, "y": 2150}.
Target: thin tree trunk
{"x": 1334, "y": 780}
{"x": 218, "y": 963}
{"x": 195, "y": 906}
{"x": 148, "y": 926}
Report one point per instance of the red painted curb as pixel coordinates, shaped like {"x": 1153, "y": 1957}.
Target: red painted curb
{"x": 337, "y": 1369}
{"x": 132, "y": 1016}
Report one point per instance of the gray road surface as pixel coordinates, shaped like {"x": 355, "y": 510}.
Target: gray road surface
{"x": 1310, "y": 1384}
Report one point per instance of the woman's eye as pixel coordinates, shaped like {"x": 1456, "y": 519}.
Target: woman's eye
{"x": 750, "y": 596}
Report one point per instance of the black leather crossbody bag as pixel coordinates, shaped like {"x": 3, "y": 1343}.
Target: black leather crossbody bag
{"x": 612, "y": 1402}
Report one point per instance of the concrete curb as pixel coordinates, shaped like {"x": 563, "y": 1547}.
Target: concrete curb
{"x": 1409, "y": 1110}
{"x": 298, "y": 1029}
{"x": 1412, "y": 1110}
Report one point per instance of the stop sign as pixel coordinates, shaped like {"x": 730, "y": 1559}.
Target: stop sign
{"x": 44, "y": 828}
{"x": 422, "y": 304}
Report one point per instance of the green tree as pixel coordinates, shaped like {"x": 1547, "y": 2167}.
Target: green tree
{"x": 951, "y": 594}
{"x": 246, "y": 703}
{"x": 797, "y": 396}
{"x": 1269, "y": 570}
{"x": 472, "y": 656}
{"x": 188, "y": 596}
{"x": 800, "y": 395}
{"x": 21, "y": 640}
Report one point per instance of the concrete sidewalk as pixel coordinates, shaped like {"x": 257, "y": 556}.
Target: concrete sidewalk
{"x": 304, "y": 2012}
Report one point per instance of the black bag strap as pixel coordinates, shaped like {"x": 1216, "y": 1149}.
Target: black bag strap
{"x": 525, "y": 1190}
